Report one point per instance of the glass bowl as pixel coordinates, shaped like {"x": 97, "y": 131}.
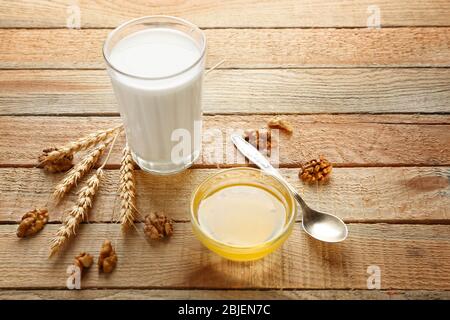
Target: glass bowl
{"x": 247, "y": 177}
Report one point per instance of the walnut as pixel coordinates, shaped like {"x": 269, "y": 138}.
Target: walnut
{"x": 278, "y": 123}
{"x": 316, "y": 170}
{"x": 158, "y": 226}
{"x": 59, "y": 165}
{"x": 83, "y": 261}
{"x": 252, "y": 136}
{"x": 32, "y": 222}
{"x": 107, "y": 259}
{"x": 261, "y": 139}
{"x": 265, "y": 141}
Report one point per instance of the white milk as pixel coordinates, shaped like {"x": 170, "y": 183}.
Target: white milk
{"x": 153, "y": 109}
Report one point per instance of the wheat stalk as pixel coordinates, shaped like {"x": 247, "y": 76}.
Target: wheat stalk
{"x": 79, "y": 211}
{"x": 127, "y": 190}
{"x": 214, "y": 67}
{"x": 81, "y": 144}
{"x": 77, "y": 172}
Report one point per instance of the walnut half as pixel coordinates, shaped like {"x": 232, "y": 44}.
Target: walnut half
{"x": 107, "y": 259}
{"x": 261, "y": 139}
{"x": 316, "y": 170}
{"x": 279, "y": 123}
{"x": 32, "y": 222}
{"x": 158, "y": 226}
{"x": 83, "y": 261}
{"x": 60, "y": 165}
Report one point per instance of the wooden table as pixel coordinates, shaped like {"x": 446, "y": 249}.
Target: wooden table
{"x": 374, "y": 101}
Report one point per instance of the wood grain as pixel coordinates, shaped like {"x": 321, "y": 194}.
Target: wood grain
{"x": 88, "y": 92}
{"x": 234, "y": 13}
{"x": 158, "y": 294}
{"x": 395, "y": 195}
{"x": 409, "y": 257}
{"x": 250, "y": 48}
{"x": 345, "y": 143}
{"x": 317, "y": 63}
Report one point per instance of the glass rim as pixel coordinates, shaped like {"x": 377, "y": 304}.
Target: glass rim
{"x": 140, "y": 20}
{"x": 286, "y": 227}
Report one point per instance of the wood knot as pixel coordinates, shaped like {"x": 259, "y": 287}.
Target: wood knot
{"x": 428, "y": 183}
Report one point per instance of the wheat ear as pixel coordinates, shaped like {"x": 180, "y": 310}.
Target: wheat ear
{"x": 77, "y": 172}
{"x": 81, "y": 144}
{"x": 79, "y": 211}
{"x": 127, "y": 190}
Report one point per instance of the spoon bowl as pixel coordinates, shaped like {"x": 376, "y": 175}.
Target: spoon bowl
{"x": 323, "y": 226}
{"x": 319, "y": 225}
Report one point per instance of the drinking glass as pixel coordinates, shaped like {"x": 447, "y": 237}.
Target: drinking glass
{"x": 161, "y": 114}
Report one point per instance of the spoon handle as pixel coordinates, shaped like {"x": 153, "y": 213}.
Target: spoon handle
{"x": 257, "y": 158}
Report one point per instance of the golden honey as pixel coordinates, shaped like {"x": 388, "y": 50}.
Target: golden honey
{"x": 242, "y": 213}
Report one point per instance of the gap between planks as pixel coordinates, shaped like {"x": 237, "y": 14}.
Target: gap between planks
{"x": 250, "y": 165}
{"x": 138, "y": 293}
{"x": 250, "y": 68}
{"x": 429, "y": 222}
{"x": 242, "y": 28}
{"x": 116, "y": 114}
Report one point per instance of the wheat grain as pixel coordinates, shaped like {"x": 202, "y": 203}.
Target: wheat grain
{"x": 77, "y": 172}
{"x": 81, "y": 144}
{"x": 127, "y": 190}
{"x": 78, "y": 213}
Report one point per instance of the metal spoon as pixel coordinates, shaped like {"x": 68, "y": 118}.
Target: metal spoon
{"x": 319, "y": 225}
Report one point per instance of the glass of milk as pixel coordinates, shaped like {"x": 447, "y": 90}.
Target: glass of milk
{"x": 156, "y": 65}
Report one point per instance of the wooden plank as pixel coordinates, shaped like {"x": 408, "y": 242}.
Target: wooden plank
{"x": 245, "y": 48}
{"x": 234, "y": 13}
{"x": 395, "y": 195}
{"x": 365, "y": 143}
{"x": 422, "y": 260}
{"x": 158, "y": 294}
{"x": 89, "y": 92}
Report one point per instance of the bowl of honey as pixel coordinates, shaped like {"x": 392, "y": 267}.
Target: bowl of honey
{"x": 242, "y": 214}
